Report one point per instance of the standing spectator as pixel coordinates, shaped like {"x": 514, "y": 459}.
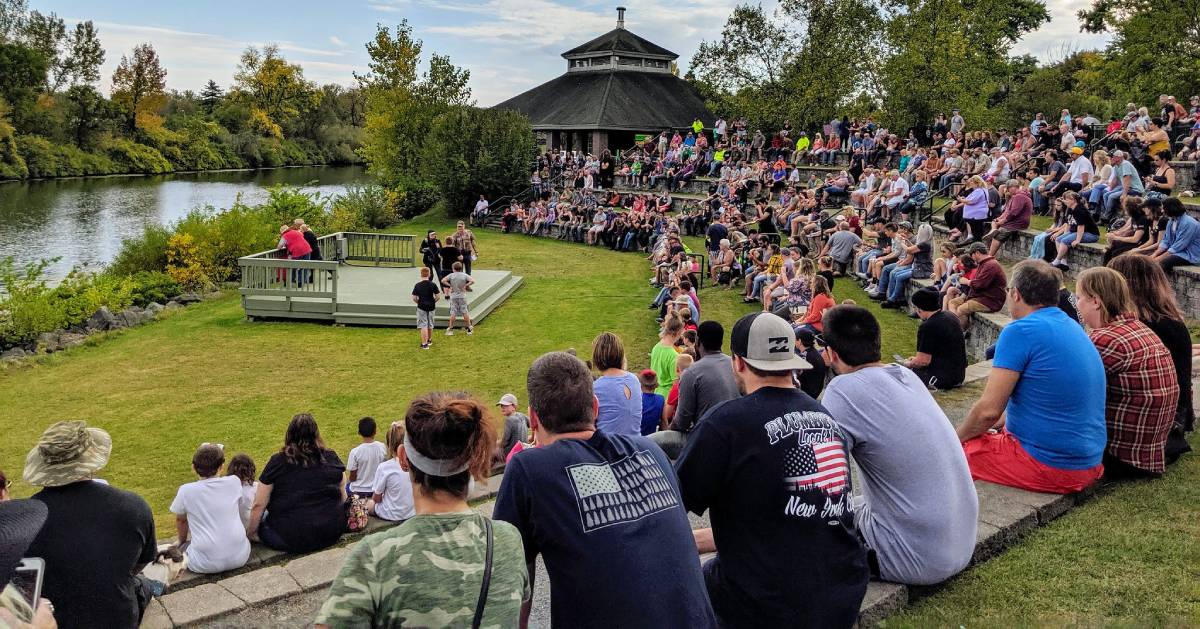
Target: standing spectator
{"x": 708, "y": 382}
{"x": 447, "y": 565}
{"x": 957, "y": 124}
{"x": 1180, "y": 245}
{"x": 300, "y": 492}
{"x": 918, "y": 508}
{"x": 602, "y": 510}
{"x": 773, "y": 468}
{"x": 841, "y": 246}
{"x": 364, "y": 459}
{"x": 465, "y": 239}
{"x": 516, "y": 425}
{"x": 941, "y": 359}
{"x": 96, "y": 538}
{"x": 208, "y": 515}
{"x": 449, "y": 253}
{"x": 298, "y": 249}
{"x": 392, "y": 491}
{"x": 662, "y": 357}
{"x": 1155, "y": 302}
{"x": 311, "y": 239}
{"x": 987, "y": 286}
{"x": 1053, "y": 435}
{"x": 620, "y": 410}
{"x": 431, "y": 249}
{"x": 20, "y": 521}
{"x": 425, "y": 295}
{"x": 457, "y": 285}
{"x": 1018, "y": 210}
{"x": 1142, "y": 393}
{"x": 682, "y": 361}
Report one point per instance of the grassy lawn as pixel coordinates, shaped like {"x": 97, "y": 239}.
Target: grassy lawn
{"x": 1128, "y": 558}
{"x": 206, "y": 374}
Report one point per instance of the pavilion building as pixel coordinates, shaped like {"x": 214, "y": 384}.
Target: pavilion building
{"x": 616, "y": 87}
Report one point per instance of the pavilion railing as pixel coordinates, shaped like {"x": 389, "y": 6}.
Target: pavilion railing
{"x": 267, "y": 274}
{"x": 395, "y": 249}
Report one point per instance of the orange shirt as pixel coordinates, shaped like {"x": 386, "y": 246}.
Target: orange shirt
{"x": 818, "y": 306}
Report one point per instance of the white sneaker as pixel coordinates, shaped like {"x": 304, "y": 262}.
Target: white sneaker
{"x": 470, "y": 331}
{"x": 449, "y": 332}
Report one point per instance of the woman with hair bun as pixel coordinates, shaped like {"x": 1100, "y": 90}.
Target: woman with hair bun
{"x": 447, "y": 565}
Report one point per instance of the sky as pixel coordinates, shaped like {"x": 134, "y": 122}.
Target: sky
{"x": 508, "y": 45}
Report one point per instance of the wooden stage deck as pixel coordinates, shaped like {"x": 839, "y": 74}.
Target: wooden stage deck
{"x": 370, "y": 295}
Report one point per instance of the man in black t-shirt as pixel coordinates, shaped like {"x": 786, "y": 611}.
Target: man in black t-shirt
{"x": 449, "y": 254}
{"x": 96, "y": 538}
{"x": 772, "y": 467}
{"x": 812, "y": 380}
{"x": 425, "y": 295}
{"x": 941, "y": 360}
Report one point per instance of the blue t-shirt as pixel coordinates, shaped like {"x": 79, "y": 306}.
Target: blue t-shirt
{"x": 606, "y": 516}
{"x": 620, "y": 404}
{"x": 1056, "y": 410}
{"x": 652, "y": 407}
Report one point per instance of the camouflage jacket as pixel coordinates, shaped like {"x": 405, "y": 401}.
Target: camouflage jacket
{"x": 427, "y": 572}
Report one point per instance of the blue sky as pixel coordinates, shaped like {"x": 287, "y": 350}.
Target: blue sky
{"x": 509, "y": 45}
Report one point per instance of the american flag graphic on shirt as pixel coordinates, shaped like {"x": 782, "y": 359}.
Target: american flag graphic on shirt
{"x": 817, "y": 466}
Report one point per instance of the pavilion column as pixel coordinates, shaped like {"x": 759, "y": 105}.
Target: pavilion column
{"x": 599, "y": 142}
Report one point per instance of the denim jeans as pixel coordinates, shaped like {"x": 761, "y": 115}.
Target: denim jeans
{"x": 885, "y": 277}
{"x": 896, "y": 285}
{"x": 1111, "y": 199}
{"x": 864, "y": 262}
{"x": 1097, "y": 194}
{"x": 1069, "y": 238}
{"x": 761, "y": 280}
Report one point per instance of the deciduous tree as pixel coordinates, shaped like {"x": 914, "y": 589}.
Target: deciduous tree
{"x": 276, "y": 90}
{"x": 138, "y": 85}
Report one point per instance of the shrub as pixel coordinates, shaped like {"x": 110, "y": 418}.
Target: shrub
{"x": 287, "y": 203}
{"x": 153, "y": 286}
{"x": 146, "y": 253}
{"x": 131, "y": 157}
{"x": 32, "y": 307}
{"x": 184, "y": 264}
{"x": 369, "y": 206}
{"x": 412, "y": 198}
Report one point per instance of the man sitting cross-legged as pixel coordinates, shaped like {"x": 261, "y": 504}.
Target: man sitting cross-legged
{"x": 919, "y": 507}
{"x": 773, "y": 469}
{"x": 603, "y": 510}
{"x": 1039, "y": 424}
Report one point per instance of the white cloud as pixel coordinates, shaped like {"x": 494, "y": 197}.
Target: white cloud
{"x": 1060, "y": 36}
{"x": 337, "y": 41}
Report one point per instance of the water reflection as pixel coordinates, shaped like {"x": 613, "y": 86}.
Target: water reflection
{"x": 83, "y": 221}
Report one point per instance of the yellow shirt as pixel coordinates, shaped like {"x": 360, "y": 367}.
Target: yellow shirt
{"x": 803, "y": 143}
{"x": 697, "y": 126}
{"x": 775, "y": 265}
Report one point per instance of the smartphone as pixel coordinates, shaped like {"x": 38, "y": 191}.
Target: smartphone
{"x": 898, "y": 358}
{"x": 28, "y": 579}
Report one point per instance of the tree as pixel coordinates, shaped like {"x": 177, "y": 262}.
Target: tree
{"x": 138, "y": 85}
{"x": 24, "y": 72}
{"x": 211, "y": 96}
{"x": 276, "y": 90}
{"x": 85, "y": 55}
{"x": 1155, "y": 47}
{"x": 46, "y": 34}
{"x": 12, "y": 19}
{"x": 493, "y": 146}
{"x": 86, "y": 111}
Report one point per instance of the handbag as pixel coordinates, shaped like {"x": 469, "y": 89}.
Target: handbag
{"x": 487, "y": 576}
{"x": 356, "y": 513}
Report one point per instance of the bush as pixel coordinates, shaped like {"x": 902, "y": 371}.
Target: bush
{"x": 223, "y": 237}
{"x": 370, "y": 206}
{"x": 412, "y": 198}
{"x": 184, "y": 263}
{"x": 31, "y": 307}
{"x": 131, "y": 157}
{"x": 146, "y": 253}
{"x": 153, "y": 286}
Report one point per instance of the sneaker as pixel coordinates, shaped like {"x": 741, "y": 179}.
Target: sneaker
{"x": 470, "y": 330}
{"x": 449, "y": 332}
{"x": 424, "y": 345}
{"x": 891, "y": 304}
{"x": 877, "y": 296}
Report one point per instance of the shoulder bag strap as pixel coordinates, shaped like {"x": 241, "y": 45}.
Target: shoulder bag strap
{"x": 487, "y": 576}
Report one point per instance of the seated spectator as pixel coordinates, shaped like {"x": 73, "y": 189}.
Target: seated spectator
{"x": 572, "y": 521}
{"x": 516, "y": 426}
{"x": 1180, "y": 245}
{"x": 299, "y": 505}
{"x": 1136, "y": 230}
{"x": 364, "y": 459}
{"x": 812, "y": 380}
{"x": 1039, "y": 424}
{"x": 920, "y": 266}
{"x": 432, "y": 570}
{"x": 822, "y": 300}
{"x": 941, "y": 359}
{"x": 987, "y": 286}
{"x": 662, "y": 356}
{"x": 616, "y": 389}
{"x": 706, "y": 383}
{"x": 652, "y": 403}
{"x": 392, "y": 491}
{"x": 20, "y": 521}
{"x": 1142, "y": 393}
{"x": 918, "y": 507}
{"x": 1018, "y": 210}
{"x": 208, "y": 516}
{"x": 1081, "y": 228}
{"x": 798, "y": 562}
{"x": 1125, "y": 182}
{"x": 1154, "y": 300}
{"x": 1161, "y": 183}
{"x": 242, "y": 467}
{"x": 97, "y": 583}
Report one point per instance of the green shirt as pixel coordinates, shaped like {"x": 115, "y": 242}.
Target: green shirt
{"x": 662, "y": 361}
{"x": 427, "y": 572}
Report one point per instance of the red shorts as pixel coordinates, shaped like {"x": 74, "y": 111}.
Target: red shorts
{"x": 999, "y": 458}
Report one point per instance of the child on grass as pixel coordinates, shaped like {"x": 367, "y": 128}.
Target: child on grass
{"x": 392, "y": 493}
{"x": 425, "y": 295}
{"x": 456, "y": 286}
{"x": 208, "y": 515}
{"x": 364, "y": 460}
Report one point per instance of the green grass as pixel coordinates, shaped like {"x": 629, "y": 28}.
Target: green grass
{"x": 1126, "y": 558}
{"x": 206, "y": 374}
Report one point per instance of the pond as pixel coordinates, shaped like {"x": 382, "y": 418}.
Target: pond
{"x": 82, "y": 221}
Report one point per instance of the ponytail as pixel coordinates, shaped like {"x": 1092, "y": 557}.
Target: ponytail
{"x": 451, "y": 426}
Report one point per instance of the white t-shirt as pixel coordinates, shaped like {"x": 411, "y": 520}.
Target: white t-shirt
{"x": 248, "y": 492}
{"x": 365, "y": 459}
{"x": 393, "y": 483}
{"x": 1080, "y": 166}
{"x": 213, "y": 507}
{"x": 901, "y": 186}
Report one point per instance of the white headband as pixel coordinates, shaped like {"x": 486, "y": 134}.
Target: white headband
{"x": 433, "y": 467}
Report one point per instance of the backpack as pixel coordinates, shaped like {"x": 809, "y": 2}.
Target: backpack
{"x": 356, "y": 513}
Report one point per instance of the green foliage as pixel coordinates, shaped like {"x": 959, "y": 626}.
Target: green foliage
{"x": 145, "y": 254}
{"x": 31, "y": 306}
{"x": 412, "y": 198}
{"x": 473, "y": 151}
{"x": 153, "y": 286}
{"x": 130, "y": 157}
{"x": 363, "y": 208}
{"x": 1155, "y": 47}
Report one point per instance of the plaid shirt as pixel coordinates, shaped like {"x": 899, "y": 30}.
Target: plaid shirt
{"x": 1142, "y": 392}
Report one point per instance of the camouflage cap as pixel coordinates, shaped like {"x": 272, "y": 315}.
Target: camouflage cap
{"x": 68, "y": 451}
